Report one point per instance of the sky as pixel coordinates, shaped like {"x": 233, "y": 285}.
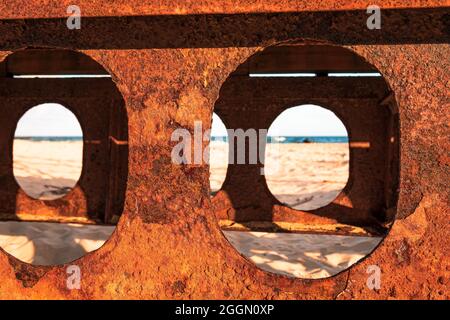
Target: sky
{"x": 305, "y": 120}
{"x": 52, "y": 119}
{"x": 49, "y": 120}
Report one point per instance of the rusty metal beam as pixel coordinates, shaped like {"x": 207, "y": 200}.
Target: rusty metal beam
{"x": 306, "y": 59}
{"x": 51, "y": 62}
{"x": 260, "y": 89}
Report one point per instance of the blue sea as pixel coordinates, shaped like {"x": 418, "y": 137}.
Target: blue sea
{"x": 277, "y": 139}
{"x": 297, "y": 139}
{"x": 52, "y": 138}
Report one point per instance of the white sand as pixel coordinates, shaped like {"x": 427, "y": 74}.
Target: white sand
{"x": 304, "y": 176}
{"x": 310, "y": 175}
{"x": 47, "y": 170}
{"x": 218, "y": 163}
{"x": 307, "y": 176}
{"x": 42, "y": 243}
{"x": 308, "y": 256}
{"x": 297, "y": 255}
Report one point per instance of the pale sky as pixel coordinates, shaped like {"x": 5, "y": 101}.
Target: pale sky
{"x": 49, "y": 119}
{"x": 52, "y": 119}
{"x": 305, "y": 120}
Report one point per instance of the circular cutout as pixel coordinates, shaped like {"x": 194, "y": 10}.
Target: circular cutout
{"x": 307, "y": 157}
{"x": 48, "y": 151}
{"x": 64, "y": 176}
{"x": 306, "y": 160}
{"x": 218, "y": 151}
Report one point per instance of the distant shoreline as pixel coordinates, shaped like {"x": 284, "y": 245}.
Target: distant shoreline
{"x": 297, "y": 139}
{"x": 272, "y": 139}
{"x": 52, "y": 138}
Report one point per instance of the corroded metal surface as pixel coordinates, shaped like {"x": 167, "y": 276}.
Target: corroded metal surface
{"x": 98, "y": 106}
{"x": 168, "y": 243}
{"x": 57, "y": 8}
{"x": 247, "y": 102}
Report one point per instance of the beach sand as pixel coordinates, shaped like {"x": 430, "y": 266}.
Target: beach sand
{"x": 303, "y": 176}
{"x": 47, "y": 170}
{"x": 43, "y": 243}
{"x": 310, "y": 175}
{"x": 309, "y": 256}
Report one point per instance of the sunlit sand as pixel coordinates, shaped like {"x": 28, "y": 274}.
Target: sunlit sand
{"x": 310, "y": 175}
{"x": 44, "y": 243}
{"x": 301, "y": 255}
{"x": 47, "y": 170}
{"x": 304, "y": 176}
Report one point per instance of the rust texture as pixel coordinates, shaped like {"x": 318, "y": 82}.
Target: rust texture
{"x": 57, "y": 8}
{"x": 99, "y": 107}
{"x": 373, "y": 139}
{"x": 169, "y": 71}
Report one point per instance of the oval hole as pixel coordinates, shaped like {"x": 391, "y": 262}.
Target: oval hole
{"x": 218, "y": 159}
{"x": 48, "y": 151}
{"x": 306, "y": 162}
{"x": 307, "y": 157}
{"x": 66, "y": 163}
